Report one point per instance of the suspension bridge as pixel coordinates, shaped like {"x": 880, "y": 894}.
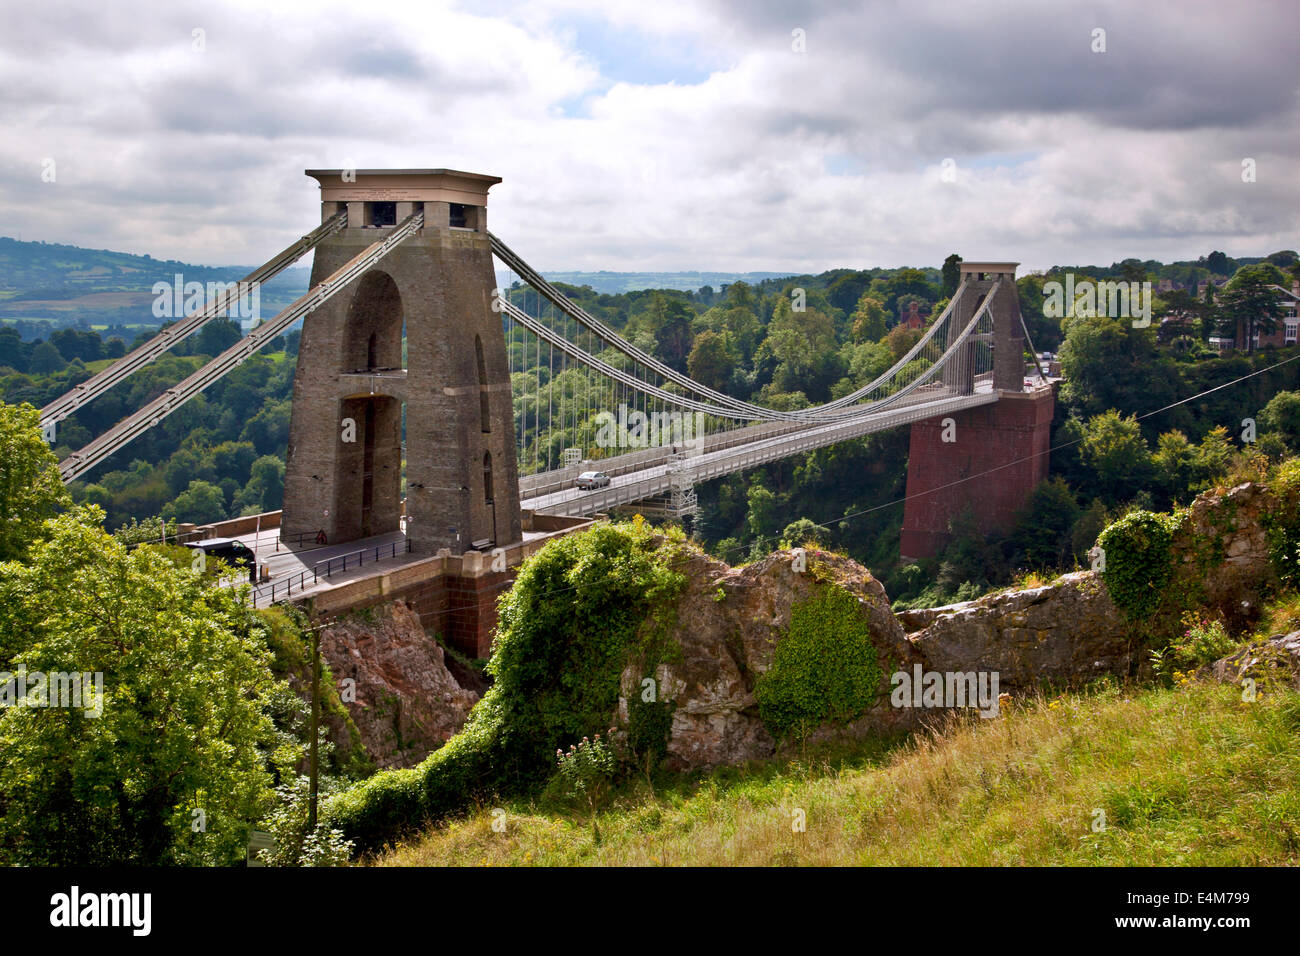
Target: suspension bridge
{"x": 433, "y": 402}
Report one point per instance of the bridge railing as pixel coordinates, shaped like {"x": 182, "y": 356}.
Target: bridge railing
{"x": 284, "y": 589}
{"x": 297, "y": 538}
{"x": 339, "y": 564}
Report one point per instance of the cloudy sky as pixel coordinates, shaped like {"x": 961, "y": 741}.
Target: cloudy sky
{"x": 666, "y": 135}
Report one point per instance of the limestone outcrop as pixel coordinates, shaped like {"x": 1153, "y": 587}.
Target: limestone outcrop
{"x": 1277, "y": 659}
{"x": 1065, "y": 631}
{"x": 728, "y": 622}
{"x": 1222, "y": 547}
{"x": 408, "y": 702}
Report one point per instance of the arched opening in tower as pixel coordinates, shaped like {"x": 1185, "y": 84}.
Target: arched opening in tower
{"x": 368, "y": 485}
{"x": 372, "y": 339}
{"x": 368, "y": 477}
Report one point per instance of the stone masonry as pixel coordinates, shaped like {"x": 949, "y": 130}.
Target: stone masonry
{"x": 352, "y": 383}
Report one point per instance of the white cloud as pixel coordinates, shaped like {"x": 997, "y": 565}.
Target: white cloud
{"x": 1062, "y": 155}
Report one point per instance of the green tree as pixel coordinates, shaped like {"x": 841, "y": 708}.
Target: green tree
{"x": 796, "y": 533}
{"x": 1175, "y": 464}
{"x": 45, "y": 359}
{"x": 1213, "y": 457}
{"x": 951, "y": 273}
{"x": 805, "y": 349}
{"x": 844, "y": 291}
{"x": 1090, "y": 525}
{"x": 1248, "y": 302}
{"x": 200, "y": 503}
{"x": 179, "y": 720}
{"x": 903, "y": 282}
{"x": 762, "y": 511}
{"x": 31, "y": 489}
{"x": 233, "y": 459}
{"x": 265, "y": 489}
{"x": 901, "y": 339}
{"x": 1114, "y": 449}
{"x": 1209, "y": 312}
{"x": 1218, "y": 263}
{"x": 1132, "y": 270}
{"x": 1108, "y": 364}
{"x": 868, "y": 319}
{"x": 711, "y": 362}
{"x": 865, "y": 362}
{"x": 1044, "y": 527}
{"x": 1282, "y": 416}
{"x": 215, "y": 337}
{"x": 268, "y": 430}
{"x": 670, "y": 321}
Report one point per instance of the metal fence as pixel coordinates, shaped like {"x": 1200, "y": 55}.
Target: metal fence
{"x": 338, "y": 565}
{"x": 282, "y": 590}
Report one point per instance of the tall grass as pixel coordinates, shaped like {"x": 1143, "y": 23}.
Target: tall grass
{"x": 1191, "y": 775}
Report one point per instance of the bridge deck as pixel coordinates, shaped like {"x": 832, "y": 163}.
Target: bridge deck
{"x": 654, "y": 477}
{"x": 285, "y": 565}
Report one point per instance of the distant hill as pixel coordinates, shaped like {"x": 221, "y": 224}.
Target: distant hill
{"x": 612, "y": 283}
{"x": 45, "y": 286}
{"x": 48, "y": 285}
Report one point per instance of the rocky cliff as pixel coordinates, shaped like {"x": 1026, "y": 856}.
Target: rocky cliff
{"x": 1068, "y": 632}
{"x": 407, "y": 702}
{"x": 729, "y": 622}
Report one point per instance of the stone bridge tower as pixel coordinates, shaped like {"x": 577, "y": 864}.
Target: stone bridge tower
{"x": 413, "y": 345}
{"x": 983, "y": 461}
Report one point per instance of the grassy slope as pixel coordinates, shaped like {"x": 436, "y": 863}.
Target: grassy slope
{"x": 1188, "y": 776}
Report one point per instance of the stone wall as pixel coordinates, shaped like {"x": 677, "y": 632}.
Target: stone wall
{"x": 454, "y": 595}
{"x": 462, "y": 479}
{"x": 998, "y": 457}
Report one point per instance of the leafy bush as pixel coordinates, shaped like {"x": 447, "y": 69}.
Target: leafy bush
{"x": 1283, "y": 526}
{"x": 1203, "y": 642}
{"x": 295, "y": 844}
{"x": 176, "y": 752}
{"x": 30, "y": 487}
{"x": 587, "y": 770}
{"x": 649, "y": 725}
{"x": 580, "y": 609}
{"x": 148, "y": 531}
{"x": 1139, "y": 560}
{"x": 824, "y": 668}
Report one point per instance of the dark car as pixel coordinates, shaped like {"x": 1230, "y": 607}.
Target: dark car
{"x": 592, "y": 479}
{"x": 234, "y": 552}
